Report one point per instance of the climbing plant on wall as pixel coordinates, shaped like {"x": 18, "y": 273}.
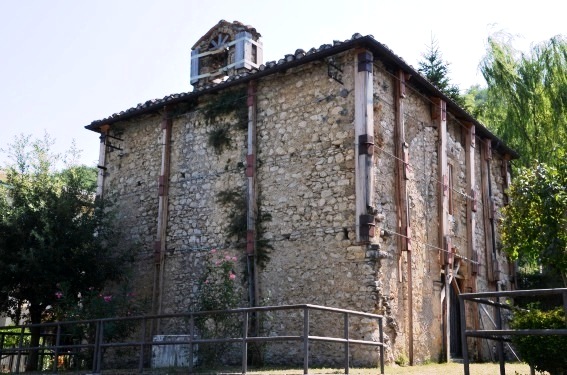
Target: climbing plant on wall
{"x": 215, "y": 113}
{"x": 236, "y": 201}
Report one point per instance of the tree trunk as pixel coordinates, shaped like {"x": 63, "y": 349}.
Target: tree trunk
{"x": 35, "y": 331}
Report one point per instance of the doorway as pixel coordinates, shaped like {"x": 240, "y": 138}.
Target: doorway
{"x": 456, "y": 350}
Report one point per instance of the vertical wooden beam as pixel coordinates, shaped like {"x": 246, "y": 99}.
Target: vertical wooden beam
{"x": 486, "y": 156}
{"x": 401, "y": 168}
{"x": 439, "y": 116}
{"x": 472, "y": 251}
{"x": 470, "y": 144}
{"x": 506, "y": 176}
{"x": 102, "y": 161}
{"x": 364, "y": 142}
{"x": 163, "y": 213}
{"x": 252, "y": 198}
{"x": 399, "y": 148}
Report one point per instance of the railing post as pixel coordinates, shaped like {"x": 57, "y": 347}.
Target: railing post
{"x": 20, "y": 346}
{"x": 100, "y": 342}
{"x": 142, "y": 346}
{"x": 306, "y": 340}
{"x": 2, "y": 338}
{"x": 96, "y": 346}
{"x": 564, "y": 294}
{"x": 381, "y": 332}
{"x": 464, "y": 334}
{"x": 57, "y": 342}
{"x": 191, "y": 334}
{"x": 500, "y": 344}
{"x": 99, "y": 334}
{"x": 245, "y": 343}
{"x": 347, "y": 347}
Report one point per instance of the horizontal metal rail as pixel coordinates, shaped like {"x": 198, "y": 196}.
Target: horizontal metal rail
{"x": 499, "y": 334}
{"x": 97, "y": 343}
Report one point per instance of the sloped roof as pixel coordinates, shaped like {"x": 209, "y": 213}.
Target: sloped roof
{"x": 381, "y": 52}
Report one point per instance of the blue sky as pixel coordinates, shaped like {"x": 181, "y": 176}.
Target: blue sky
{"x": 65, "y": 63}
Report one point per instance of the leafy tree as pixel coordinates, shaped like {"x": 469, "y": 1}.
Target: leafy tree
{"x": 527, "y": 97}
{"x": 534, "y": 226}
{"x": 476, "y": 101}
{"x": 52, "y": 233}
{"x": 436, "y": 70}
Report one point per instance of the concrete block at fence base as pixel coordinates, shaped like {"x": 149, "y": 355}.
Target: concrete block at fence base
{"x": 172, "y": 355}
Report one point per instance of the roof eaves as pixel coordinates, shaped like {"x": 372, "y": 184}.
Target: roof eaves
{"x": 289, "y": 61}
{"x": 301, "y": 57}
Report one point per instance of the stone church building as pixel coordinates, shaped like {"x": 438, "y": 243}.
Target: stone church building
{"x": 339, "y": 176}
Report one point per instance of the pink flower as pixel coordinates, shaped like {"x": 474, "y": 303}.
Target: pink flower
{"x": 234, "y": 259}
{"x": 206, "y": 281}
{"x": 107, "y": 298}
{"x": 217, "y": 263}
{"x": 213, "y": 251}
{"x": 58, "y": 295}
{"x": 232, "y": 276}
{"x": 227, "y": 257}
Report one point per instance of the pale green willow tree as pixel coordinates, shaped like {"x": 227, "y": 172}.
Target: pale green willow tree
{"x": 526, "y": 106}
{"x": 527, "y": 97}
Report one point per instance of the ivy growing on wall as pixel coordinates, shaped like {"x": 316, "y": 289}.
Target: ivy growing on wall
{"x": 237, "y": 226}
{"x": 235, "y": 200}
{"x": 225, "y": 104}
{"x": 219, "y": 139}
{"x": 263, "y": 245}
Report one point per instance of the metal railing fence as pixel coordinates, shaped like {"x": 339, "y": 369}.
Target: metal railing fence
{"x": 500, "y": 334}
{"x": 60, "y": 340}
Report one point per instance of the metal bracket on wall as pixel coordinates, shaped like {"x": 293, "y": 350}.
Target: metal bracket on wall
{"x": 366, "y": 144}
{"x": 365, "y": 62}
{"x": 250, "y": 237}
{"x": 250, "y": 159}
{"x": 367, "y": 226}
{"x": 334, "y": 71}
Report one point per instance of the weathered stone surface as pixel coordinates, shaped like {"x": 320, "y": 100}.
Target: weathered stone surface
{"x": 306, "y": 183}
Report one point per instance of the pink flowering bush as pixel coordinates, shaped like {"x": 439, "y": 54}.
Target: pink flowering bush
{"x": 95, "y": 304}
{"x": 218, "y": 290}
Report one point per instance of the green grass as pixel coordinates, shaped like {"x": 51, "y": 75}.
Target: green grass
{"x": 428, "y": 369}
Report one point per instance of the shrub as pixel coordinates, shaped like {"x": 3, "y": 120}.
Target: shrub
{"x": 544, "y": 353}
{"x": 218, "y": 291}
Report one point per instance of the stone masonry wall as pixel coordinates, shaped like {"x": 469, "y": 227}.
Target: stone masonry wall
{"x": 390, "y": 291}
{"x": 198, "y": 221}
{"x": 306, "y": 183}
{"x": 131, "y": 183}
{"x": 422, "y": 189}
